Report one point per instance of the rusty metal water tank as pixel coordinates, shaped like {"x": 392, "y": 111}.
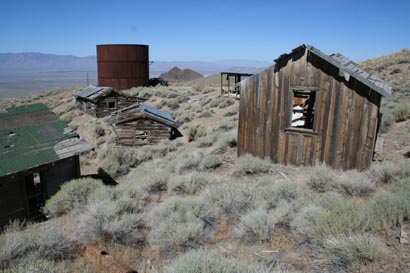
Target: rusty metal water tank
{"x": 123, "y": 66}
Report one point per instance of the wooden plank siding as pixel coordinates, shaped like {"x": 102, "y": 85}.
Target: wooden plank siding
{"x": 345, "y": 119}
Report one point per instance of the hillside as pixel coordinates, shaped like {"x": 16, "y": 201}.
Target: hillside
{"x": 176, "y": 74}
{"x": 190, "y": 204}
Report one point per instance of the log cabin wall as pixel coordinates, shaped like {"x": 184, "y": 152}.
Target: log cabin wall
{"x": 141, "y": 132}
{"x": 345, "y": 116}
{"x": 104, "y": 107}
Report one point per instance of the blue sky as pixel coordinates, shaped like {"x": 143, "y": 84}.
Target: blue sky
{"x": 206, "y": 30}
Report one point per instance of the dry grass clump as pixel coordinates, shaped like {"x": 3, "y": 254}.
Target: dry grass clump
{"x": 187, "y": 161}
{"x": 350, "y": 251}
{"x": 401, "y": 111}
{"x": 222, "y": 102}
{"x": 176, "y": 224}
{"x": 207, "y": 141}
{"x": 248, "y": 164}
{"x": 35, "y": 266}
{"x": 225, "y": 141}
{"x": 210, "y": 162}
{"x": 323, "y": 179}
{"x": 387, "y": 121}
{"x": 355, "y": 183}
{"x": 202, "y": 261}
{"x": 225, "y": 125}
{"x": 194, "y": 132}
{"x": 383, "y": 172}
{"x": 72, "y": 195}
{"x": 257, "y": 225}
{"x": 190, "y": 183}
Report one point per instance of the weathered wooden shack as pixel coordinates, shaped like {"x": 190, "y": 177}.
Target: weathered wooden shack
{"x": 311, "y": 107}
{"x": 102, "y": 101}
{"x": 38, "y": 152}
{"x": 141, "y": 124}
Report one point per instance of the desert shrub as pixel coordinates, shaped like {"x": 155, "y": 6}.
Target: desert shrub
{"x": 182, "y": 98}
{"x": 403, "y": 169}
{"x": 344, "y": 217}
{"x": 323, "y": 179}
{"x": 230, "y": 113}
{"x": 210, "y": 162}
{"x": 225, "y": 125}
{"x": 205, "y": 101}
{"x": 184, "y": 117}
{"x": 305, "y": 220}
{"x": 356, "y": 183}
{"x": 187, "y": 161}
{"x": 176, "y": 225}
{"x": 68, "y": 117}
{"x": 206, "y": 141}
{"x": 35, "y": 266}
{"x": 248, "y": 164}
{"x": 204, "y": 261}
{"x": 109, "y": 220}
{"x": 206, "y": 114}
{"x": 226, "y": 102}
{"x": 387, "y": 209}
{"x": 352, "y": 250}
{"x": 158, "y": 150}
{"x": 199, "y": 87}
{"x": 222, "y": 102}
{"x": 387, "y": 121}
{"x": 225, "y": 141}
{"x": 190, "y": 183}
{"x": 97, "y": 131}
{"x": 113, "y": 166}
{"x": 194, "y": 132}
{"x": 395, "y": 71}
{"x": 401, "y": 111}
{"x": 230, "y": 199}
{"x": 72, "y": 194}
{"x": 46, "y": 241}
{"x": 257, "y": 225}
{"x": 172, "y": 104}
{"x": 383, "y": 172}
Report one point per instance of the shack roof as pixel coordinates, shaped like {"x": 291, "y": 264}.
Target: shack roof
{"x": 31, "y": 136}
{"x": 140, "y": 110}
{"x": 241, "y": 70}
{"x": 94, "y": 93}
{"x": 347, "y": 68}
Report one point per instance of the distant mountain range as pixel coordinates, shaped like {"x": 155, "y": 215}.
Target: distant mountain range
{"x": 11, "y": 63}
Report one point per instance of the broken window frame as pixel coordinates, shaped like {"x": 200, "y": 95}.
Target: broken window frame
{"x": 313, "y": 111}
{"x": 141, "y": 136}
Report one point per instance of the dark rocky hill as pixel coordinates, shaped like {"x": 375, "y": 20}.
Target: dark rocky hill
{"x": 178, "y": 75}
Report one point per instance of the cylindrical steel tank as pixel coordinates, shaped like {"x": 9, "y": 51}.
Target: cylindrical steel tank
{"x": 123, "y": 66}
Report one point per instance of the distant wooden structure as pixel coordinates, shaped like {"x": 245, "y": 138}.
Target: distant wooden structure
{"x": 102, "y": 101}
{"x": 141, "y": 124}
{"x": 309, "y": 108}
{"x": 38, "y": 152}
{"x": 231, "y": 78}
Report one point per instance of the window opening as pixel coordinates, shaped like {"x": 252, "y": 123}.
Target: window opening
{"x": 111, "y": 105}
{"x": 303, "y": 107}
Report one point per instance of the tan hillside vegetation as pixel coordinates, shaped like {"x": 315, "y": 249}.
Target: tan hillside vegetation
{"x": 190, "y": 205}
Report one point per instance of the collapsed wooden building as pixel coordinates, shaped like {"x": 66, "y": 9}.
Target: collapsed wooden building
{"x": 311, "y": 107}
{"x": 141, "y": 124}
{"x": 102, "y": 101}
{"x": 38, "y": 153}
{"x": 231, "y": 77}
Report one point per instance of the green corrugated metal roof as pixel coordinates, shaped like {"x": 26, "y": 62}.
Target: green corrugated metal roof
{"x": 30, "y": 146}
{"x": 24, "y": 109}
